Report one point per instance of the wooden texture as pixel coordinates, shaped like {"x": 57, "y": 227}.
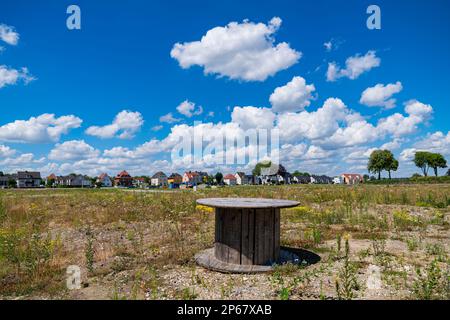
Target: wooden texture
{"x": 247, "y": 230}
{"x": 247, "y": 203}
{"x": 247, "y": 236}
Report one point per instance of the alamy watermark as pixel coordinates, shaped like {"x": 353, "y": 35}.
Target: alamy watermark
{"x": 73, "y": 21}
{"x": 374, "y": 20}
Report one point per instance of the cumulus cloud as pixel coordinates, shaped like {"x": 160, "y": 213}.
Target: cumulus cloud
{"x": 9, "y": 35}
{"x": 292, "y": 97}
{"x": 73, "y": 150}
{"x": 333, "y": 44}
{"x": 253, "y": 117}
{"x": 435, "y": 142}
{"x": 381, "y": 95}
{"x": 244, "y": 51}
{"x": 407, "y": 154}
{"x": 418, "y": 109}
{"x": 189, "y": 109}
{"x": 10, "y": 76}
{"x": 169, "y": 118}
{"x": 124, "y": 126}
{"x": 157, "y": 128}
{"x": 41, "y": 129}
{"x": 354, "y": 66}
{"x": 392, "y": 145}
{"x": 6, "y": 151}
{"x": 313, "y": 125}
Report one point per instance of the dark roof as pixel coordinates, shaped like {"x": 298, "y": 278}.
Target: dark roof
{"x": 28, "y": 175}
{"x": 175, "y": 175}
{"x": 123, "y": 174}
{"x": 159, "y": 174}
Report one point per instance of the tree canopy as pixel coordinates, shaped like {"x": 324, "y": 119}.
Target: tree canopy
{"x": 426, "y": 160}
{"x": 264, "y": 164}
{"x": 381, "y": 160}
{"x": 219, "y": 177}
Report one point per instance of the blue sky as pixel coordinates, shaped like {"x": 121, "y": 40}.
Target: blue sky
{"x": 119, "y": 65}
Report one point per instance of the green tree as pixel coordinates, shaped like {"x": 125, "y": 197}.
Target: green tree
{"x": 392, "y": 165}
{"x": 300, "y": 174}
{"x": 376, "y": 162}
{"x": 50, "y": 183}
{"x": 435, "y": 161}
{"x": 12, "y": 183}
{"x": 219, "y": 177}
{"x": 259, "y": 165}
{"x": 421, "y": 160}
{"x": 382, "y": 160}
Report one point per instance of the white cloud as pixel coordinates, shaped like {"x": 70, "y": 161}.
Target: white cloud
{"x": 328, "y": 46}
{"x": 44, "y": 128}
{"x": 6, "y": 151}
{"x": 253, "y": 117}
{"x": 9, "y": 76}
{"x": 392, "y": 145}
{"x": 419, "y": 109}
{"x": 381, "y": 95}
{"x": 244, "y": 51}
{"x": 354, "y": 66}
{"x": 25, "y": 161}
{"x": 359, "y": 155}
{"x": 399, "y": 125}
{"x": 407, "y": 154}
{"x": 169, "y": 118}
{"x": 124, "y": 126}
{"x": 188, "y": 109}
{"x": 9, "y": 35}
{"x": 313, "y": 125}
{"x": 73, "y": 150}
{"x": 316, "y": 153}
{"x": 294, "y": 96}
{"x": 157, "y": 128}
{"x": 435, "y": 142}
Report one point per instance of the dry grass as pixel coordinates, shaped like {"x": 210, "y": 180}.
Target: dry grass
{"x": 143, "y": 243}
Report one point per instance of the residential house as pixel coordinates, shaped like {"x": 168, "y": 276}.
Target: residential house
{"x": 27, "y": 179}
{"x": 123, "y": 179}
{"x": 192, "y": 178}
{"x": 140, "y": 182}
{"x": 337, "y": 180}
{"x": 243, "y": 179}
{"x": 74, "y": 181}
{"x": 321, "y": 179}
{"x": 229, "y": 179}
{"x": 4, "y": 181}
{"x": 159, "y": 179}
{"x": 275, "y": 174}
{"x": 203, "y": 176}
{"x": 174, "y": 180}
{"x": 301, "y": 179}
{"x": 352, "y": 178}
{"x": 104, "y": 180}
{"x": 50, "y": 181}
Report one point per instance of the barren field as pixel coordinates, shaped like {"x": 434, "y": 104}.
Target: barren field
{"x": 374, "y": 242}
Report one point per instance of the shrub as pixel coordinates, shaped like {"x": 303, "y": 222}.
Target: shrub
{"x": 431, "y": 283}
{"x": 404, "y": 220}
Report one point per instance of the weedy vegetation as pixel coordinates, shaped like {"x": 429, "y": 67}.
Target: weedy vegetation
{"x": 141, "y": 245}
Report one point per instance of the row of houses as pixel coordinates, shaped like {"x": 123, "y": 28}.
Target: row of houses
{"x": 26, "y": 179}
